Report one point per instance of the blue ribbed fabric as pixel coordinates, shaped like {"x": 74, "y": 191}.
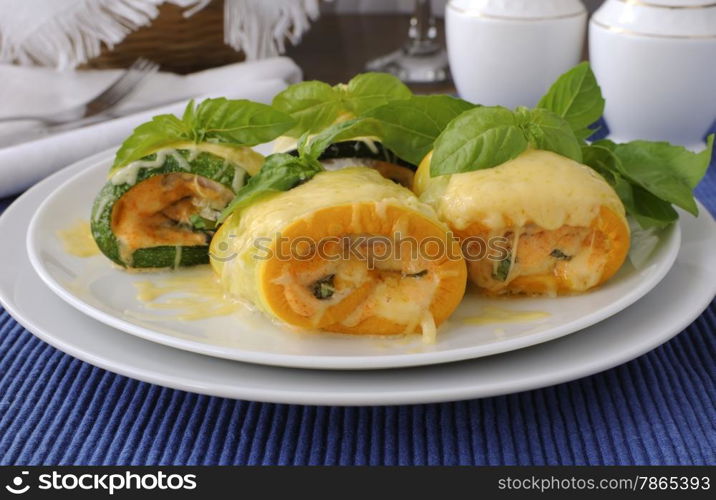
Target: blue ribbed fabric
{"x": 657, "y": 409}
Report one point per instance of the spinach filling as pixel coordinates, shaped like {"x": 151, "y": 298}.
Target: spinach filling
{"x": 560, "y": 255}
{"x": 503, "y": 268}
{"x": 324, "y": 288}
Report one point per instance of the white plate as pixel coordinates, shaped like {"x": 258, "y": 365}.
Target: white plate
{"x": 97, "y": 288}
{"x": 683, "y": 294}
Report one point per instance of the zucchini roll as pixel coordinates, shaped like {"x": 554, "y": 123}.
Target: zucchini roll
{"x": 364, "y": 152}
{"x": 540, "y": 224}
{"x": 348, "y": 251}
{"x": 161, "y": 211}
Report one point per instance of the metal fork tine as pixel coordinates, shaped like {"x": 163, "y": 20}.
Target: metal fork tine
{"x": 129, "y": 78}
{"x": 137, "y": 72}
{"x": 118, "y": 90}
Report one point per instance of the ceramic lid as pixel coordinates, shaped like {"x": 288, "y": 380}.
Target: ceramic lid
{"x": 519, "y": 9}
{"x": 664, "y": 18}
{"x": 672, "y": 3}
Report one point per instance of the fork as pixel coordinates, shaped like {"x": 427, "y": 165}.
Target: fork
{"x": 122, "y": 86}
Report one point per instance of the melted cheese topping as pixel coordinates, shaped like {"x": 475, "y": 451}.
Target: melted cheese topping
{"x": 77, "y": 240}
{"x": 261, "y": 222}
{"x": 537, "y": 187}
{"x": 493, "y": 314}
{"x": 241, "y": 157}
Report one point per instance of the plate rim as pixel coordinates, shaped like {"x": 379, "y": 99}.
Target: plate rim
{"x": 8, "y": 282}
{"x": 323, "y": 362}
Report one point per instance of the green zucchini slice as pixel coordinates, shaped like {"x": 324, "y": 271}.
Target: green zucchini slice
{"x": 369, "y": 154}
{"x": 160, "y": 211}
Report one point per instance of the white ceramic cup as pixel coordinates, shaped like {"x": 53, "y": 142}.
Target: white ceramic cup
{"x": 509, "y": 52}
{"x": 655, "y": 61}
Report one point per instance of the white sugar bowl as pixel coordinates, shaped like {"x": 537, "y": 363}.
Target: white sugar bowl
{"x": 656, "y": 63}
{"x": 508, "y": 52}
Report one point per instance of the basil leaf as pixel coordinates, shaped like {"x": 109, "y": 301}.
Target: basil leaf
{"x": 550, "y": 132}
{"x": 281, "y": 172}
{"x": 577, "y": 98}
{"x": 370, "y": 90}
{"x": 238, "y": 122}
{"x": 646, "y": 208}
{"x": 315, "y": 146}
{"x": 189, "y": 116}
{"x": 317, "y": 105}
{"x": 314, "y": 105}
{"x": 162, "y": 131}
{"x": 649, "y": 210}
{"x": 409, "y": 127}
{"x": 481, "y": 138}
{"x": 668, "y": 172}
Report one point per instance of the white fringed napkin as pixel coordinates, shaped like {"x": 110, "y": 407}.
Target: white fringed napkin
{"x": 66, "y": 33}
{"x": 31, "y": 90}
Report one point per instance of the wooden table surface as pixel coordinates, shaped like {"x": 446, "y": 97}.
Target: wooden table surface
{"x": 338, "y": 47}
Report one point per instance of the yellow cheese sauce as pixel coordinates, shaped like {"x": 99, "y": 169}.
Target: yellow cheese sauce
{"x": 243, "y": 158}
{"x": 538, "y": 187}
{"x": 493, "y": 314}
{"x": 77, "y": 240}
{"x": 193, "y": 294}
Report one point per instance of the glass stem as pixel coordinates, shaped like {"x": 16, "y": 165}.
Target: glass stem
{"x": 422, "y": 32}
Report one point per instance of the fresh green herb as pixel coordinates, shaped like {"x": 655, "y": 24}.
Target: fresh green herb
{"x": 560, "y": 255}
{"x": 161, "y": 131}
{"x": 651, "y": 176}
{"x": 409, "y": 127}
{"x": 480, "y": 138}
{"x": 547, "y": 131}
{"x": 370, "y": 90}
{"x": 283, "y": 171}
{"x": 237, "y": 122}
{"x": 648, "y": 176}
{"x": 324, "y": 288}
{"x": 669, "y": 172}
{"x": 314, "y": 146}
{"x": 280, "y": 172}
{"x": 577, "y": 98}
{"x": 199, "y": 222}
{"x": 503, "y": 268}
{"x": 316, "y": 105}
{"x": 419, "y": 274}
{"x": 488, "y": 136}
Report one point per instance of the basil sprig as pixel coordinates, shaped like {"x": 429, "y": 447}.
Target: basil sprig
{"x": 488, "y": 136}
{"x": 282, "y": 171}
{"x": 649, "y": 177}
{"x": 577, "y": 98}
{"x": 316, "y": 105}
{"x": 409, "y": 127}
{"x": 234, "y": 122}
